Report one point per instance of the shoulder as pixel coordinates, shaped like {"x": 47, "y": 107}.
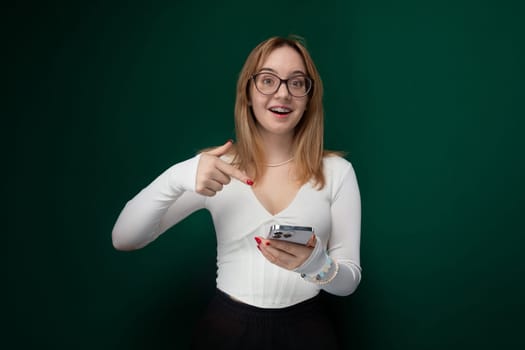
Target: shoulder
{"x": 336, "y": 163}
{"x": 337, "y": 171}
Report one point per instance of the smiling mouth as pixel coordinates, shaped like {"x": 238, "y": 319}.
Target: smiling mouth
{"x": 281, "y": 110}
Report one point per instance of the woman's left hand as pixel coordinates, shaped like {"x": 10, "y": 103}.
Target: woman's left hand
{"x": 285, "y": 254}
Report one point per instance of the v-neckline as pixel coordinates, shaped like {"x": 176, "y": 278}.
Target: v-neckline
{"x": 291, "y": 203}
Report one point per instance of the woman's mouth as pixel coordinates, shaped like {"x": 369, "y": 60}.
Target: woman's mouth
{"x": 280, "y": 111}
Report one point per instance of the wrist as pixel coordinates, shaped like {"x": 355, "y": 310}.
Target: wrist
{"x": 326, "y": 275}
{"x": 183, "y": 174}
{"x": 319, "y": 268}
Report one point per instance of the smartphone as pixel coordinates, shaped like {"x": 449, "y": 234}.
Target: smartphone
{"x": 294, "y": 234}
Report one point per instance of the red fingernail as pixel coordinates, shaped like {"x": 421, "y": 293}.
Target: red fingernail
{"x": 258, "y": 247}
{"x": 258, "y": 240}
{"x": 249, "y": 182}
{"x": 267, "y": 243}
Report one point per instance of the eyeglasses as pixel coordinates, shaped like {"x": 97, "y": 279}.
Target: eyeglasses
{"x": 268, "y": 83}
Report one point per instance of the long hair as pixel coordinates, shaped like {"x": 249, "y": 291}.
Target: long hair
{"x": 308, "y": 138}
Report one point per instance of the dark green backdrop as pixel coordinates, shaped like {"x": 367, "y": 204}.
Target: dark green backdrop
{"x": 426, "y": 97}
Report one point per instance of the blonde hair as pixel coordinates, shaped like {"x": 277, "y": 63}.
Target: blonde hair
{"x": 308, "y": 139}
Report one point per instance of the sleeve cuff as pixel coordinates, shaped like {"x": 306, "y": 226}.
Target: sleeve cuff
{"x": 182, "y": 175}
{"x": 315, "y": 262}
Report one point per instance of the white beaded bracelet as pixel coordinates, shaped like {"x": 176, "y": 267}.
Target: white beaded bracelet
{"x": 320, "y": 278}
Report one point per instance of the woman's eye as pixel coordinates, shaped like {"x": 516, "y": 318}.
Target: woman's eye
{"x": 268, "y": 81}
{"x": 297, "y": 83}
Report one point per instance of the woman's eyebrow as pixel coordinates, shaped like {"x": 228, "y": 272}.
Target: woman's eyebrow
{"x": 274, "y": 71}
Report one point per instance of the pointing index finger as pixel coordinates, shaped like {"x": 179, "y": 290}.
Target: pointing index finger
{"x": 232, "y": 171}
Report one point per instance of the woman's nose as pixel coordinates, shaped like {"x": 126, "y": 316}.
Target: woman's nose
{"x": 282, "y": 91}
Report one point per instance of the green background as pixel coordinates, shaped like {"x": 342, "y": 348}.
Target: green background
{"x": 426, "y": 97}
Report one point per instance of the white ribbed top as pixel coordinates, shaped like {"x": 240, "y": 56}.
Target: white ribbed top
{"x": 334, "y": 212}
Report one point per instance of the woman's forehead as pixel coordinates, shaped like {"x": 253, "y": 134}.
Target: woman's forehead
{"x": 283, "y": 60}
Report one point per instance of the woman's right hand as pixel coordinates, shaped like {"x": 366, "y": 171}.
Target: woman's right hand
{"x": 213, "y": 173}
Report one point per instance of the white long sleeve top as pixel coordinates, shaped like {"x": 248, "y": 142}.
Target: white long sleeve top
{"x": 242, "y": 271}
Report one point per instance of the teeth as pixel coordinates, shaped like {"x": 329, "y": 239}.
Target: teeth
{"x": 280, "y": 110}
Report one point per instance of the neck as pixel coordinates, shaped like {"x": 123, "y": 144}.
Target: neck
{"x": 277, "y": 148}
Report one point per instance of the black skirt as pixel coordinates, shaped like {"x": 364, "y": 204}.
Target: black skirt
{"x": 229, "y": 324}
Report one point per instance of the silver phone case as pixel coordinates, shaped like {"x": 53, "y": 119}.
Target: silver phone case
{"x": 289, "y": 233}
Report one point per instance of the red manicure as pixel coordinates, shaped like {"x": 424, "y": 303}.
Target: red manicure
{"x": 267, "y": 243}
{"x": 249, "y": 182}
{"x": 258, "y": 240}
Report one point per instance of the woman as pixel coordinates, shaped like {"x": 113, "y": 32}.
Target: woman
{"x": 277, "y": 173}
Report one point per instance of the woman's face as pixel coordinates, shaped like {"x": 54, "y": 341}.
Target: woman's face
{"x": 279, "y": 113}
